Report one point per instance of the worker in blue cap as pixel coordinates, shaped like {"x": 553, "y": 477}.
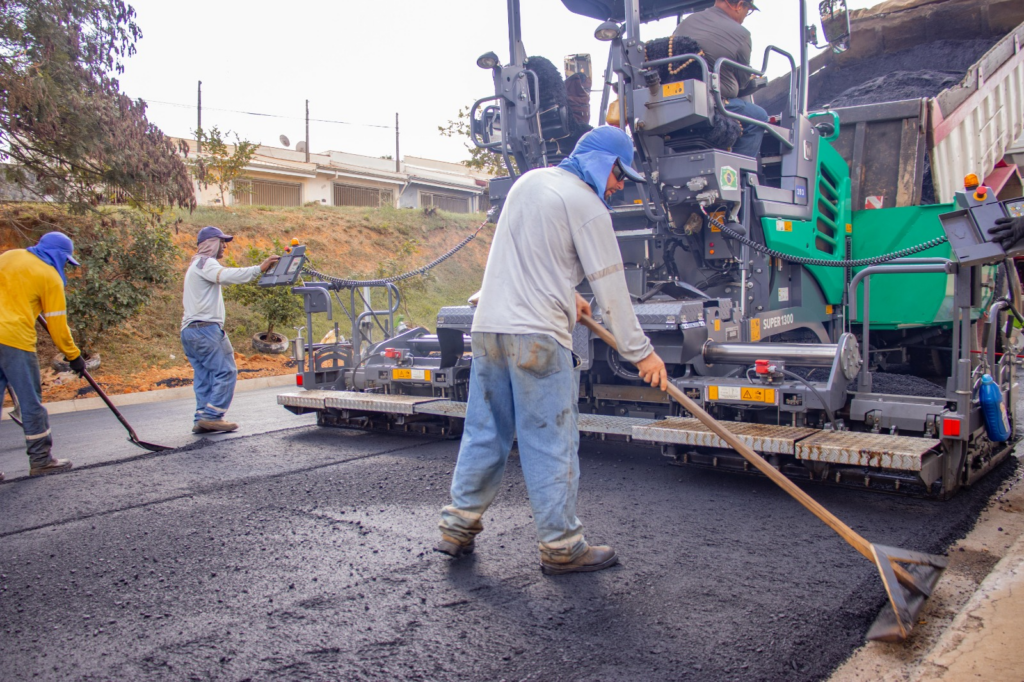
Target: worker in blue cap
{"x": 554, "y": 230}
{"x": 32, "y": 284}
{"x": 206, "y": 344}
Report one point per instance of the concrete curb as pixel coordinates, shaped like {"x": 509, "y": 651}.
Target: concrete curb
{"x": 142, "y": 397}
{"x": 986, "y": 639}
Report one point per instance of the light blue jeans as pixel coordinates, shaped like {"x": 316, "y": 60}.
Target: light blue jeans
{"x": 19, "y": 369}
{"x": 209, "y": 351}
{"x": 749, "y": 143}
{"x": 521, "y": 384}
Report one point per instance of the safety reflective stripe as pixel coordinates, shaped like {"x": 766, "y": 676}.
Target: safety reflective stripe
{"x": 44, "y": 434}
{"x": 215, "y": 408}
{"x": 604, "y": 272}
{"x": 219, "y": 273}
{"x": 55, "y": 314}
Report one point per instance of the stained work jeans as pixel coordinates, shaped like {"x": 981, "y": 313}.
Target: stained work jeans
{"x": 209, "y": 351}
{"x": 19, "y": 369}
{"x": 749, "y": 143}
{"x": 521, "y": 384}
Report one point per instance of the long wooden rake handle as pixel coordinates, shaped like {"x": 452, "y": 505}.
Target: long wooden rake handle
{"x": 844, "y": 531}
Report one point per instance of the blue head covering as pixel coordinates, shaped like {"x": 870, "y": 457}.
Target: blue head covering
{"x": 592, "y": 159}
{"x": 55, "y": 248}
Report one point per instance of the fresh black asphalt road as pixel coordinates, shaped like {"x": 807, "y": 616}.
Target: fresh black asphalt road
{"x": 96, "y": 436}
{"x": 304, "y": 554}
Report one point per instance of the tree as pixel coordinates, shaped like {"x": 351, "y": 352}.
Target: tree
{"x": 218, "y": 165}
{"x": 278, "y": 305}
{"x": 64, "y": 123}
{"x": 481, "y": 159}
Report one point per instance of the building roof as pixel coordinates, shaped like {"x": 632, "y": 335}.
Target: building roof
{"x": 414, "y": 169}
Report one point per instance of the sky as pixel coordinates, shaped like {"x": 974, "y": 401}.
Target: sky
{"x": 359, "y": 62}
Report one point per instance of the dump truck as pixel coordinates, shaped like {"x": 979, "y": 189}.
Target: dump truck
{"x": 845, "y": 345}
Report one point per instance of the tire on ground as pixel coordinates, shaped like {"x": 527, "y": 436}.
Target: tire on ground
{"x": 59, "y": 364}
{"x": 270, "y": 343}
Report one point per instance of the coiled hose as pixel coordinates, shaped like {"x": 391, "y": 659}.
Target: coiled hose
{"x": 349, "y": 283}
{"x": 801, "y": 260}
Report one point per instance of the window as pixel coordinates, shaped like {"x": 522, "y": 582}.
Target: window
{"x": 354, "y": 195}
{"x": 444, "y": 202}
{"x": 267, "y": 193}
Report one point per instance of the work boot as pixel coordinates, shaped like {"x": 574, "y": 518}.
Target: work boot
{"x": 219, "y": 425}
{"x": 595, "y": 558}
{"x": 453, "y": 548}
{"x": 196, "y": 428}
{"x": 54, "y": 466}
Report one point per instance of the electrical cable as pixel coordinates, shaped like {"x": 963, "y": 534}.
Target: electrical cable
{"x": 786, "y": 372}
{"x": 256, "y": 113}
{"x": 828, "y": 410}
{"x": 801, "y": 260}
{"x": 350, "y": 283}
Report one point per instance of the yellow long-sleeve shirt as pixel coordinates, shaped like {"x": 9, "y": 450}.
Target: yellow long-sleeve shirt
{"x": 29, "y": 288}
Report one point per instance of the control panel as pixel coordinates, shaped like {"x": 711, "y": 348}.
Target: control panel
{"x": 968, "y": 228}
{"x": 287, "y": 270}
{"x": 1015, "y": 208}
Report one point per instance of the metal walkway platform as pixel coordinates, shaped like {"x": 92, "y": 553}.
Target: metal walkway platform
{"x": 866, "y": 449}
{"x": 779, "y": 440}
{"x": 313, "y": 400}
{"x": 852, "y": 448}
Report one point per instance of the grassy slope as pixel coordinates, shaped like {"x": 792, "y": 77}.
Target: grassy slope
{"x": 346, "y": 242}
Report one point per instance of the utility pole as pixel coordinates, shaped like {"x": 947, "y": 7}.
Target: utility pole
{"x": 307, "y": 131}
{"x": 398, "y": 158}
{"x": 199, "y": 121}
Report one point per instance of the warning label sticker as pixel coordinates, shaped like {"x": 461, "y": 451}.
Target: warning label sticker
{"x": 746, "y": 394}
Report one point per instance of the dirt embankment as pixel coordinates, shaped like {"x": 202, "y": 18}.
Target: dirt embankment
{"x": 145, "y": 352}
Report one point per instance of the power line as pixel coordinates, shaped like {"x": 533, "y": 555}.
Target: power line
{"x": 255, "y": 113}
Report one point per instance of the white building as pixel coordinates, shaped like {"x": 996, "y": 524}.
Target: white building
{"x": 282, "y": 177}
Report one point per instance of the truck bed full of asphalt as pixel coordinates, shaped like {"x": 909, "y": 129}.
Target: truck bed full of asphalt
{"x": 305, "y": 555}
{"x": 923, "y": 70}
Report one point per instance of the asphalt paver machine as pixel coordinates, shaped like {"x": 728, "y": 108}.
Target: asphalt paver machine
{"x": 845, "y": 346}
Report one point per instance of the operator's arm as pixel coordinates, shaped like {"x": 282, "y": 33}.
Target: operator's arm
{"x": 55, "y": 312}
{"x": 602, "y": 263}
{"x": 218, "y": 274}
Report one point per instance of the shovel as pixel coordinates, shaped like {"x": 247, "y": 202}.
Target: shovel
{"x": 132, "y": 437}
{"x": 907, "y": 588}
{"x": 124, "y": 422}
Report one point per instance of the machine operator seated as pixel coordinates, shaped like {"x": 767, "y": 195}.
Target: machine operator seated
{"x": 720, "y": 33}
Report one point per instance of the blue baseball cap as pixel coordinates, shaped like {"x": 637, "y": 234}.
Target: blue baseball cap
{"x": 211, "y": 232}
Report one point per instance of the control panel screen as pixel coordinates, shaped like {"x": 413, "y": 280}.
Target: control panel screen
{"x": 287, "y": 270}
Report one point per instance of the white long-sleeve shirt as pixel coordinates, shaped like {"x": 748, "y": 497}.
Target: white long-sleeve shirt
{"x": 554, "y": 231}
{"x": 203, "y": 299}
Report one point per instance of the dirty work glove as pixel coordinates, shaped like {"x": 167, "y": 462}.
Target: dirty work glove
{"x": 78, "y": 365}
{"x": 1008, "y": 231}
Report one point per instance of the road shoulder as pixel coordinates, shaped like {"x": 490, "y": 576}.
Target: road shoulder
{"x": 973, "y": 625}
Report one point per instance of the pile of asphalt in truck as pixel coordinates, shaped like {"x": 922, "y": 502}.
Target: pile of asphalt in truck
{"x": 893, "y": 76}
{"x": 899, "y": 75}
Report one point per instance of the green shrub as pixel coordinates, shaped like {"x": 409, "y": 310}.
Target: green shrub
{"x": 124, "y": 257}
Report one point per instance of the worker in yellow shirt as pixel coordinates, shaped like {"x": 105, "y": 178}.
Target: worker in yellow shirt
{"x": 32, "y": 285}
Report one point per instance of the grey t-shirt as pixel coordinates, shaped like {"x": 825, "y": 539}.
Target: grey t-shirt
{"x": 719, "y": 35}
{"x": 553, "y": 232}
